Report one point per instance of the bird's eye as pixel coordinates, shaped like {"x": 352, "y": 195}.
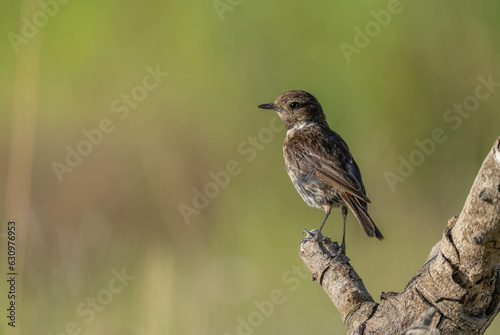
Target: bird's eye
{"x": 294, "y": 105}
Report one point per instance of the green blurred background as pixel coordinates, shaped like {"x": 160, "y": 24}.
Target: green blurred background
{"x": 119, "y": 209}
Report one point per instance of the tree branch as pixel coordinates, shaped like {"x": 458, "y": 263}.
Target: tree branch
{"x": 457, "y": 291}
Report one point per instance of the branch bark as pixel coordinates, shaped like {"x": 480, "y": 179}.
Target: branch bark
{"x": 457, "y": 291}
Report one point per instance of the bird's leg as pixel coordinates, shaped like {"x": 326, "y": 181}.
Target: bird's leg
{"x": 322, "y": 224}
{"x": 342, "y": 246}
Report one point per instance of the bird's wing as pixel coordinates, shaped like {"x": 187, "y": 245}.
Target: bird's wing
{"x": 331, "y": 161}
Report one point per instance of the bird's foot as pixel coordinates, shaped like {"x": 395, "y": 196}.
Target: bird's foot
{"x": 312, "y": 235}
{"x": 341, "y": 249}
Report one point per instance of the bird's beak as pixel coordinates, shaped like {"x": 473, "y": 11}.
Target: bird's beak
{"x": 267, "y": 106}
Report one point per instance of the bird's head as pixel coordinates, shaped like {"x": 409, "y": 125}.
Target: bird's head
{"x": 296, "y": 107}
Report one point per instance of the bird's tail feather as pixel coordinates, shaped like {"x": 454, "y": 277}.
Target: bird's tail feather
{"x": 361, "y": 213}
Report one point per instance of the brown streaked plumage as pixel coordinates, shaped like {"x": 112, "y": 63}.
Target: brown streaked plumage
{"x": 319, "y": 162}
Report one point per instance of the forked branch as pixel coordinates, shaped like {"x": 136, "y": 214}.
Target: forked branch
{"x": 457, "y": 291}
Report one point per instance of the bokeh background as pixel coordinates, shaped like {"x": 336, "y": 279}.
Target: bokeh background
{"x": 119, "y": 210}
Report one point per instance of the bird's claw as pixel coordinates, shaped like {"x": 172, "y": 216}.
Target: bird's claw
{"x": 312, "y": 235}
{"x": 341, "y": 250}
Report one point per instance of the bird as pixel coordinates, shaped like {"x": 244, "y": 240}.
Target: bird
{"x": 319, "y": 162}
